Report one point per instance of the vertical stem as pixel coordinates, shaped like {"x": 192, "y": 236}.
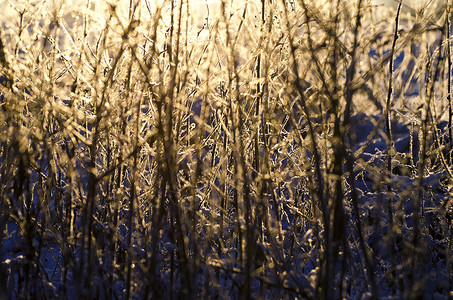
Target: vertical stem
{"x": 388, "y": 106}
{"x": 449, "y": 70}
{"x": 130, "y": 223}
{"x": 420, "y": 249}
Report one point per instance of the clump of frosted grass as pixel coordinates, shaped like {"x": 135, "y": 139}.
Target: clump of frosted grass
{"x": 224, "y": 149}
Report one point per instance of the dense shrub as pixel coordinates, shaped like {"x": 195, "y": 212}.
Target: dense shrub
{"x": 253, "y": 149}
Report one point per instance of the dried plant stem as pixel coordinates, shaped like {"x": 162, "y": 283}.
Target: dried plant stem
{"x": 390, "y": 150}
{"x": 449, "y": 70}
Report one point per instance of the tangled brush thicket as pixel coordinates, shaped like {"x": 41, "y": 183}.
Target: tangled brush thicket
{"x": 232, "y": 150}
